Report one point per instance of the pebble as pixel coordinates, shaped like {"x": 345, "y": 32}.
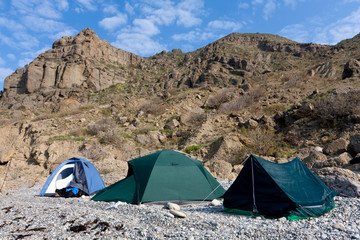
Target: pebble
{"x": 173, "y": 206}
{"x": 24, "y": 215}
{"x": 216, "y": 203}
{"x": 178, "y": 213}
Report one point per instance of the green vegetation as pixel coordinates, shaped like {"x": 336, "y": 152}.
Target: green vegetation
{"x": 193, "y": 148}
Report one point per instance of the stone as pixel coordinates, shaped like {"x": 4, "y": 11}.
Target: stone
{"x": 216, "y": 203}
{"x": 339, "y": 226}
{"x": 173, "y": 206}
{"x": 342, "y": 181}
{"x": 318, "y": 149}
{"x": 336, "y": 147}
{"x": 227, "y": 147}
{"x": 314, "y": 157}
{"x": 251, "y": 123}
{"x": 220, "y": 167}
{"x": 237, "y": 168}
{"x": 354, "y": 145}
{"x": 337, "y": 161}
{"x": 172, "y": 124}
{"x": 178, "y": 214}
{"x": 351, "y": 69}
{"x": 169, "y": 215}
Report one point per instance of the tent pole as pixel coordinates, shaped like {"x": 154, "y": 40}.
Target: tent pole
{"x": 255, "y": 210}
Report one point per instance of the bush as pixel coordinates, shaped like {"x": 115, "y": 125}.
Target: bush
{"x": 103, "y": 125}
{"x": 333, "y": 107}
{"x": 192, "y": 148}
{"x": 155, "y": 107}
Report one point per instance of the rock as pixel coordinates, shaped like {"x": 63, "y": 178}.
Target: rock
{"x": 354, "y": 145}
{"x": 216, "y": 203}
{"x": 172, "y": 124}
{"x": 122, "y": 120}
{"x": 267, "y": 122}
{"x": 173, "y": 206}
{"x": 318, "y": 149}
{"x": 178, "y": 214}
{"x": 314, "y": 157}
{"x": 342, "y": 181}
{"x": 228, "y": 147}
{"x": 169, "y": 215}
{"x": 251, "y": 123}
{"x": 338, "y": 161}
{"x": 351, "y": 69}
{"x": 72, "y": 63}
{"x": 304, "y": 111}
{"x": 339, "y": 226}
{"x": 237, "y": 168}
{"x": 222, "y": 168}
{"x": 336, "y": 147}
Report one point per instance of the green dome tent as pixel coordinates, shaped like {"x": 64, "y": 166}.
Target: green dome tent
{"x": 275, "y": 190}
{"x": 166, "y": 175}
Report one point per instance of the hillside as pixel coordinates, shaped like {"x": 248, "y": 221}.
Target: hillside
{"x": 243, "y": 93}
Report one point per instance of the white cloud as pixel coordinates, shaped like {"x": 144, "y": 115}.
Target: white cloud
{"x": 7, "y": 41}
{"x": 193, "y": 36}
{"x": 269, "y": 9}
{"x": 62, "y": 5}
{"x": 295, "y": 32}
{"x": 292, "y": 3}
{"x": 87, "y": 4}
{"x": 111, "y": 23}
{"x": 138, "y": 43}
{"x": 145, "y": 27}
{"x": 10, "y": 24}
{"x": 257, "y": 2}
{"x": 129, "y": 9}
{"x": 187, "y": 19}
{"x": 26, "y": 41}
{"x": 4, "y": 72}
{"x": 11, "y": 56}
{"x": 48, "y": 10}
{"x": 2, "y": 62}
{"x": 66, "y": 32}
{"x": 110, "y": 9}
{"x": 44, "y": 8}
{"x": 38, "y": 24}
{"x": 332, "y": 33}
{"x": 23, "y": 62}
{"x": 224, "y": 25}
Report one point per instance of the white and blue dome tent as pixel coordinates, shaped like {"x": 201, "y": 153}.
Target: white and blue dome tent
{"x": 75, "y": 173}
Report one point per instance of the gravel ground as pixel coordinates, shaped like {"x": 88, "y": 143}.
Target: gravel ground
{"x": 24, "y": 215}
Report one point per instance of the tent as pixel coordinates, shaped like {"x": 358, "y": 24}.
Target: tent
{"x": 166, "y": 175}
{"x": 75, "y": 172}
{"x": 278, "y": 190}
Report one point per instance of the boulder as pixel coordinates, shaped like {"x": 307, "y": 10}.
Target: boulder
{"x": 338, "y": 161}
{"x": 342, "y": 181}
{"x": 354, "y": 145}
{"x": 172, "y": 124}
{"x": 314, "y": 157}
{"x": 228, "y": 147}
{"x": 220, "y": 168}
{"x": 215, "y": 203}
{"x": 351, "y": 69}
{"x": 336, "y": 147}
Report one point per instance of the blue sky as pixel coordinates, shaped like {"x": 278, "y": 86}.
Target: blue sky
{"x": 146, "y": 27}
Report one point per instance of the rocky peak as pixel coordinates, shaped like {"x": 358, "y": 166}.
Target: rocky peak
{"x": 82, "y": 61}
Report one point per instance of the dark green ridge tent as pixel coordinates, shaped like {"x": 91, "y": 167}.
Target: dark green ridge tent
{"x": 166, "y": 175}
{"x": 278, "y": 190}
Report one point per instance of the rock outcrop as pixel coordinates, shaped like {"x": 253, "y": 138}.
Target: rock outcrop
{"x": 83, "y": 61}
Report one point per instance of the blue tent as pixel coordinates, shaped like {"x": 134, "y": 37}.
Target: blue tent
{"x": 75, "y": 172}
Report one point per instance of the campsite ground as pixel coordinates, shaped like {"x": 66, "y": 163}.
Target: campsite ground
{"x": 24, "y": 215}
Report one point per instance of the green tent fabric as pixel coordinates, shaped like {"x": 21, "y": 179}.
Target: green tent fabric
{"x": 275, "y": 190}
{"x": 166, "y": 175}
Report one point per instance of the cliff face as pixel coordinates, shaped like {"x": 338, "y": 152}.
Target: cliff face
{"x": 73, "y": 62}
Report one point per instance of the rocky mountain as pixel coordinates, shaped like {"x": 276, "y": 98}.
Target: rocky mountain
{"x": 244, "y": 93}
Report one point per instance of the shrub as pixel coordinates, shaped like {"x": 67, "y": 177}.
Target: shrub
{"x": 154, "y": 106}
{"x": 333, "y": 107}
{"x": 95, "y": 152}
{"x": 103, "y": 125}
{"x": 192, "y": 148}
